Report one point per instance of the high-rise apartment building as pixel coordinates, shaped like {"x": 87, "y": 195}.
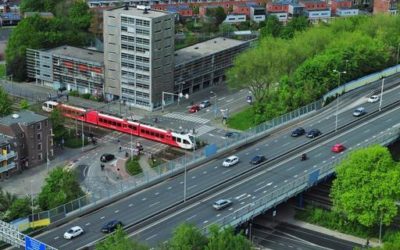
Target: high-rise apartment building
{"x": 138, "y": 55}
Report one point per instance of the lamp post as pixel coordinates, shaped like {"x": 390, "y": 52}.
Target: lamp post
{"x": 180, "y": 95}
{"x": 184, "y": 184}
{"x": 337, "y": 99}
{"x": 380, "y": 101}
{"x": 397, "y": 59}
{"x": 83, "y": 136}
{"x": 31, "y": 200}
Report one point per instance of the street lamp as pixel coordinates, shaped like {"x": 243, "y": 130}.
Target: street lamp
{"x": 337, "y": 99}
{"x": 184, "y": 184}
{"x": 398, "y": 51}
{"x": 216, "y": 102}
{"x": 380, "y": 101}
{"x": 180, "y": 95}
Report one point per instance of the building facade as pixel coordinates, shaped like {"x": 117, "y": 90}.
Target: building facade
{"x": 70, "y": 67}
{"x": 8, "y": 156}
{"x": 138, "y": 55}
{"x": 203, "y": 65}
{"x": 31, "y": 136}
{"x": 385, "y": 6}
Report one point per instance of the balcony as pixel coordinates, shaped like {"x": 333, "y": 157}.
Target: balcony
{"x": 7, "y": 156}
{"x": 7, "y": 167}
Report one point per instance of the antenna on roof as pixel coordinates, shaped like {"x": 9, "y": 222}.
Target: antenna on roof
{"x": 126, "y": 6}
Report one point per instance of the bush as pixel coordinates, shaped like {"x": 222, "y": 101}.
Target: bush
{"x": 74, "y": 93}
{"x": 75, "y": 142}
{"x": 132, "y": 166}
{"x": 86, "y": 96}
{"x": 242, "y": 120}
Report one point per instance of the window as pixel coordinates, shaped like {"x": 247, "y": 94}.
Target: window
{"x": 142, "y": 32}
{"x": 39, "y": 146}
{"x": 39, "y": 126}
{"x": 124, "y": 28}
{"x": 39, "y": 157}
{"x": 39, "y": 136}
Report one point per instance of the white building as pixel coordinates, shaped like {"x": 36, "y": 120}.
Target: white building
{"x": 282, "y": 16}
{"x": 235, "y": 18}
{"x": 257, "y": 13}
{"x": 138, "y": 55}
{"x": 346, "y": 12}
{"x": 314, "y": 15}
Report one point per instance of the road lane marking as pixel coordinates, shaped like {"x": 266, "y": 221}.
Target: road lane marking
{"x": 87, "y": 224}
{"x": 296, "y": 176}
{"x": 63, "y": 245}
{"x": 318, "y": 155}
{"x": 260, "y": 183}
{"x": 116, "y": 211}
{"x": 157, "y": 193}
{"x": 57, "y": 237}
{"x": 240, "y": 196}
{"x": 144, "y": 199}
{"x": 194, "y": 177}
{"x": 192, "y": 186}
{"x": 205, "y": 222}
{"x": 287, "y": 143}
{"x": 260, "y": 188}
{"x": 151, "y": 237}
{"x": 169, "y": 188}
{"x": 229, "y": 100}
{"x": 289, "y": 169}
{"x": 218, "y": 215}
{"x": 222, "y": 98}
{"x": 191, "y": 217}
{"x": 226, "y": 171}
{"x": 156, "y": 203}
{"x": 102, "y": 217}
{"x": 205, "y": 172}
{"x": 181, "y": 182}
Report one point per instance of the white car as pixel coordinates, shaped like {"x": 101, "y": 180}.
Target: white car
{"x": 373, "y": 98}
{"x": 73, "y": 232}
{"x": 230, "y": 161}
{"x": 221, "y": 204}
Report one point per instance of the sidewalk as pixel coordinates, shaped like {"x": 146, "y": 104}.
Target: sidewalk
{"x": 286, "y": 215}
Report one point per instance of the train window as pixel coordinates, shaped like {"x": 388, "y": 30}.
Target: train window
{"x": 179, "y": 139}
{"x": 100, "y": 119}
{"x": 118, "y": 124}
{"x": 132, "y": 127}
{"x": 174, "y": 138}
{"x": 156, "y": 134}
{"x": 147, "y": 132}
{"x": 185, "y": 141}
{"x": 152, "y": 133}
{"x": 142, "y": 130}
{"x": 162, "y": 136}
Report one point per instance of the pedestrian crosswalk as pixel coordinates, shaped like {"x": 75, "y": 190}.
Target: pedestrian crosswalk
{"x": 186, "y": 117}
{"x": 203, "y": 129}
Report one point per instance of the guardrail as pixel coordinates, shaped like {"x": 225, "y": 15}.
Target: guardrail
{"x": 301, "y": 183}
{"x": 100, "y": 195}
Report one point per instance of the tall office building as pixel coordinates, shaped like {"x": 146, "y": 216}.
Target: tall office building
{"x": 138, "y": 55}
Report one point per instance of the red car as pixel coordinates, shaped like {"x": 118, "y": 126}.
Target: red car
{"x": 194, "y": 108}
{"x": 337, "y": 148}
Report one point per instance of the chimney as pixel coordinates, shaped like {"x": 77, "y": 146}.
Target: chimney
{"x": 126, "y": 6}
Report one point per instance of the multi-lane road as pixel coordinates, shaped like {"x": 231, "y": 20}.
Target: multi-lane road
{"x": 143, "y": 204}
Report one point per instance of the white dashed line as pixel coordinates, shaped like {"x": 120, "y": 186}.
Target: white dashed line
{"x": 116, "y": 211}
{"x": 156, "y": 203}
{"x": 102, "y": 217}
{"x": 151, "y": 237}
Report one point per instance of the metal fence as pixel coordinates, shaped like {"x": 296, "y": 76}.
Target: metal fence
{"x": 98, "y": 194}
{"x": 298, "y": 185}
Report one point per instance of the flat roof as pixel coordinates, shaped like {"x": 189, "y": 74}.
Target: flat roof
{"x": 205, "y": 48}
{"x": 80, "y": 53}
{"x": 132, "y": 11}
{"x": 24, "y": 116}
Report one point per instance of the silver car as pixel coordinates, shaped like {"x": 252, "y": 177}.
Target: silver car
{"x": 73, "y": 232}
{"x": 359, "y": 112}
{"x": 230, "y": 161}
{"x": 222, "y": 203}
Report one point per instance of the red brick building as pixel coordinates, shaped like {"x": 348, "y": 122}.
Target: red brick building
{"x": 340, "y": 4}
{"x": 314, "y": 4}
{"x": 385, "y": 6}
{"x": 276, "y": 7}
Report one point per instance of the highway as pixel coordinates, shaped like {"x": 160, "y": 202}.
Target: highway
{"x": 136, "y": 207}
{"x": 246, "y": 191}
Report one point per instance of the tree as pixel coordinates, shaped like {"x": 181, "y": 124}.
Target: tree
{"x": 296, "y": 24}
{"x": 217, "y": 14}
{"x": 5, "y": 103}
{"x": 272, "y": 27}
{"x": 24, "y": 104}
{"x": 187, "y": 237}
{"x": 119, "y": 241}
{"x": 366, "y": 187}
{"x": 6, "y": 200}
{"x": 80, "y": 15}
{"x": 57, "y": 121}
{"x": 61, "y": 186}
{"x": 19, "y": 209}
{"x": 226, "y": 239}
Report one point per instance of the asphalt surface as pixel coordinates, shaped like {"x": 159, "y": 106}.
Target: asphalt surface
{"x": 285, "y": 236}
{"x": 132, "y": 209}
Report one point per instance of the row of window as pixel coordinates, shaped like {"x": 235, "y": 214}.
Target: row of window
{"x": 137, "y": 66}
{"x": 132, "y": 48}
{"x": 133, "y": 101}
{"x": 114, "y": 123}
{"x": 128, "y": 38}
{"x": 138, "y": 31}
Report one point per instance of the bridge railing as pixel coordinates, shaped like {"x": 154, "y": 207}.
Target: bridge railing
{"x": 298, "y": 185}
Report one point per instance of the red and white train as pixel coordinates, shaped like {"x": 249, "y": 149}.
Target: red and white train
{"x": 185, "y": 141}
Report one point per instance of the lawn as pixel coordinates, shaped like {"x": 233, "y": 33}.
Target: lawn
{"x": 2, "y": 70}
{"x": 242, "y": 120}
{"x": 132, "y": 166}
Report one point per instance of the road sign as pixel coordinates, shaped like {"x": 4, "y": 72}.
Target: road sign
{"x": 32, "y": 244}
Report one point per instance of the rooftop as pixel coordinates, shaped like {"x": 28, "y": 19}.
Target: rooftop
{"x": 205, "y": 48}
{"x": 4, "y": 139}
{"x": 132, "y": 11}
{"x": 74, "y": 52}
{"x": 24, "y": 116}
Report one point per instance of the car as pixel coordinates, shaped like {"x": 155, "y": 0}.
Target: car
{"x": 222, "y": 203}
{"x": 107, "y": 157}
{"x": 73, "y": 232}
{"x": 232, "y": 134}
{"x": 257, "y": 159}
{"x": 111, "y": 226}
{"x": 373, "y": 98}
{"x": 298, "y": 132}
{"x": 194, "y": 108}
{"x": 313, "y": 133}
{"x": 359, "y": 112}
{"x": 205, "y": 104}
{"x": 230, "y": 161}
{"x": 337, "y": 148}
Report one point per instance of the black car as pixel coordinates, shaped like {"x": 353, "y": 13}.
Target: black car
{"x": 298, "y": 132}
{"x": 107, "y": 157}
{"x": 257, "y": 159}
{"x": 111, "y": 226}
{"x": 313, "y": 133}
{"x": 232, "y": 134}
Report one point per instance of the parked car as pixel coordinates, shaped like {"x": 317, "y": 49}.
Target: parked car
{"x": 107, "y": 157}
{"x": 359, "y": 112}
{"x": 232, "y": 134}
{"x": 373, "y": 98}
{"x": 230, "y": 161}
{"x": 313, "y": 133}
{"x": 222, "y": 203}
{"x": 73, "y": 232}
{"x": 257, "y": 159}
{"x": 337, "y": 148}
{"x": 194, "y": 108}
{"x": 298, "y": 132}
{"x": 205, "y": 104}
{"x": 111, "y": 226}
